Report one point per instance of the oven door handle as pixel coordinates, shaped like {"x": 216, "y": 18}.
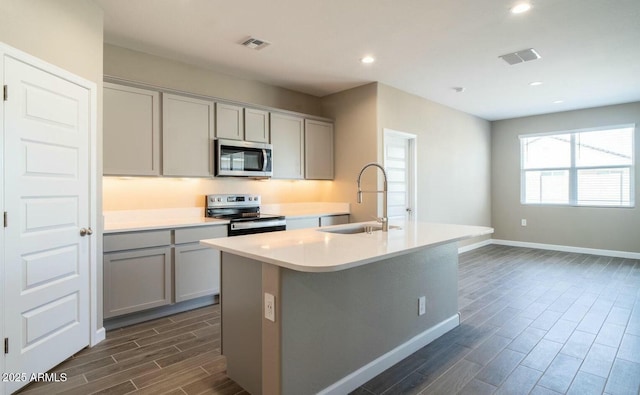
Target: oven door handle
{"x": 257, "y": 224}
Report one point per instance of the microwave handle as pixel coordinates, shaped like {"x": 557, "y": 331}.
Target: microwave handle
{"x": 264, "y": 160}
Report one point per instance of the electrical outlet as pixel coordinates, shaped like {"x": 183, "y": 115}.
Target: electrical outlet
{"x": 523, "y": 222}
{"x": 422, "y": 305}
{"x": 269, "y": 307}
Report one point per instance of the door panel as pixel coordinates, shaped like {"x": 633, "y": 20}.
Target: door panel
{"x": 47, "y": 201}
{"x": 399, "y": 163}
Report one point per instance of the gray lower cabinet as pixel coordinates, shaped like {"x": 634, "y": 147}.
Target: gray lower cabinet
{"x": 302, "y": 223}
{"x": 314, "y": 222}
{"x": 197, "y": 268}
{"x": 136, "y": 280}
{"x": 334, "y": 220}
{"x": 137, "y": 271}
{"x": 149, "y": 269}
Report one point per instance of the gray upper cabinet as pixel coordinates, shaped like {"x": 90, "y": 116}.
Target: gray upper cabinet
{"x": 187, "y": 136}
{"x": 256, "y": 125}
{"x": 229, "y": 122}
{"x": 287, "y": 138}
{"x": 318, "y": 150}
{"x": 241, "y": 123}
{"x": 131, "y": 144}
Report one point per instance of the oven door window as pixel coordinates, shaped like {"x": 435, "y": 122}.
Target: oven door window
{"x": 241, "y": 159}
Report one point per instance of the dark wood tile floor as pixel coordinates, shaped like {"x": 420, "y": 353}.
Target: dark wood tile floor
{"x": 533, "y": 322}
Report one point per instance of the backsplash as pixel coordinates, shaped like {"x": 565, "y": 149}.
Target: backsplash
{"x": 138, "y": 193}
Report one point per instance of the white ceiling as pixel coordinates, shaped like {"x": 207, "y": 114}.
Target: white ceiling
{"x": 590, "y": 48}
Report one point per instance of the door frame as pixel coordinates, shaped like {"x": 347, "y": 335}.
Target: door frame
{"x": 412, "y": 139}
{"x": 97, "y": 331}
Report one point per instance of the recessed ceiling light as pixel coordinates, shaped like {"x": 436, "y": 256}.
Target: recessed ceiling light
{"x": 459, "y": 89}
{"x": 368, "y": 59}
{"x": 520, "y": 8}
{"x": 535, "y": 83}
{"x": 558, "y": 101}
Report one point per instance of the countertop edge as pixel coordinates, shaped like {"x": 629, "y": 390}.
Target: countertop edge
{"x": 341, "y": 266}
{"x": 137, "y": 227}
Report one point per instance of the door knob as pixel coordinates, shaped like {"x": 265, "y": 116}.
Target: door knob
{"x": 86, "y": 231}
{"x": 409, "y": 209}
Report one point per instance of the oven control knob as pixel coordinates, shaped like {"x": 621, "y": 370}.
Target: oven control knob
{"x": 255, "y": 199}
{"x": 250, "y": 198}
{"x": 218, "y": 199}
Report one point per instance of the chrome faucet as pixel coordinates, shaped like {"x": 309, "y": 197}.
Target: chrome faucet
{"x": 384, "y": 220}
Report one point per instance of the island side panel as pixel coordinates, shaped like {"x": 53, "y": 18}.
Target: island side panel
{"x": 334, "y": 323}
{"x": 271, "y": 339}
{"x": 241, "y": 310}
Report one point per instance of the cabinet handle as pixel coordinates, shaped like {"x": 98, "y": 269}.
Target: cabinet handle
{"x": 86, "y": 231}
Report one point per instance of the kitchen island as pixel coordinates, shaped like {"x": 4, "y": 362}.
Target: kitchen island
{"x": 346, "y": 303}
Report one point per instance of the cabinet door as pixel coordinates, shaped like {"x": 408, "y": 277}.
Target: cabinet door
{"x": 229, "y": 122}
{"x": 287, "y": 138}
{"x": 197, "y": 271}
{"x": 187, "y": 136}
{"x": 318, "y": 150}
{"x": 334, "y": 220}
{"x": 131, "y": 142}
{"x": 303, "y": 223}
{"x": 256, "y": 125}
{"x": 136, "y": 280}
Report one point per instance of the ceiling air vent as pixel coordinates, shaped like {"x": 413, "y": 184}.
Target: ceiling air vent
{"x": 255, "y": 43}
{"x": 521, "y": 56}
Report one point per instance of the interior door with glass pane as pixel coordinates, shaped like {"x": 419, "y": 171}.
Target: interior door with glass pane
{"x": 399, "y": 165}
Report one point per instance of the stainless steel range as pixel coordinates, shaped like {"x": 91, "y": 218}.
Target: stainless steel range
{"x": 243, "y": 212}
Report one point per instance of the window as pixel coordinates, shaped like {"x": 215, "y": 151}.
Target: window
{"x": 579, "y": 168}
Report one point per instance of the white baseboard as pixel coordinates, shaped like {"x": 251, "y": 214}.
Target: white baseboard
{"x": 98, "y": 336}
{"x": 384, "y": 362}
{"x": 580, "y": 250}
{"x": 474, "y": 246}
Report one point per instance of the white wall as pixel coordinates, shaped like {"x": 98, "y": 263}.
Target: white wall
{"x": 614, "y": 229}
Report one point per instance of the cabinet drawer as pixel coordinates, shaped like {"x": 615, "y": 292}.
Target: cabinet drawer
{"x": 303, "y": 223}
{"x": 334, "y": 220}
{"x": 133, "y": 240}
{"x": 197, "y": 233}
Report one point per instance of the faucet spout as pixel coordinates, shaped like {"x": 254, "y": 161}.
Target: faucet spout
{"x": 385, "y": 219}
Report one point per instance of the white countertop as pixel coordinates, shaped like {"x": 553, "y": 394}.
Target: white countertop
{"x": 139, "y": 220}
{"x": 151, "y": 219}
{"x": 312, "y": 250}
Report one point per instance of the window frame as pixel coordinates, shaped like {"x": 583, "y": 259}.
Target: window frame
{"x": 573, "y": 168}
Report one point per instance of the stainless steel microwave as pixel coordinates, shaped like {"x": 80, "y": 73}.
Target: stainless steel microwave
{"x": 242, "y": 158}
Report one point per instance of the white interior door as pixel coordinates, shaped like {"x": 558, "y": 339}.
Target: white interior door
{"x": 47, "y": 203}
{"x": 399, "y": 163}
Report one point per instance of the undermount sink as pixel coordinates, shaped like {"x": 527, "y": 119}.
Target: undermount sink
{"x": 357, "y": 228}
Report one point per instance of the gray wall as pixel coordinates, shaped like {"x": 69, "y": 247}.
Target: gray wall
{"x": 454, "y": 156}
{"x": 454, "y": 152}
{"x": 616, "y": 229}
{"x": 167, "y": 73}
{"x": 355, "y": 115}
